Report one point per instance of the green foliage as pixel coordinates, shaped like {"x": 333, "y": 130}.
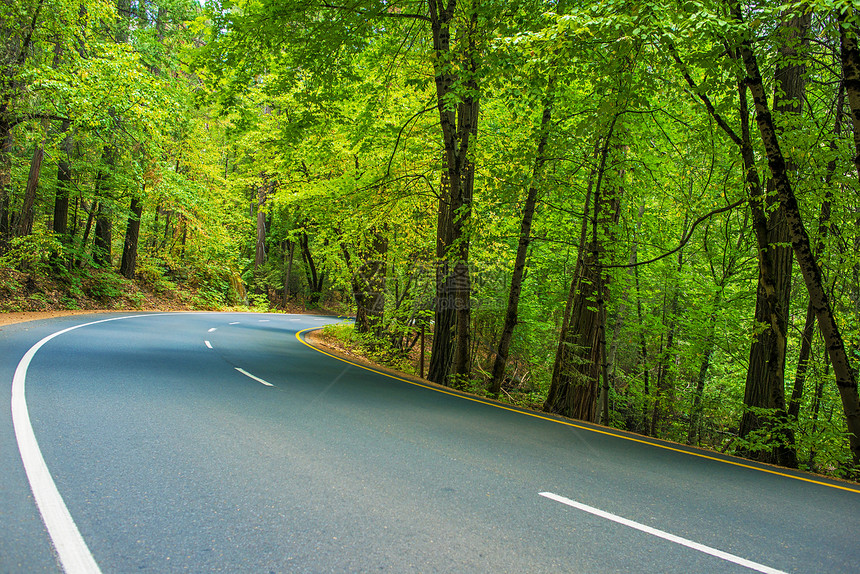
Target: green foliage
{"x": 367, "y": 345}
{"x": 39, "y": 254}
{"x": 104, "y": 286}
{"x": 151, "y": 274}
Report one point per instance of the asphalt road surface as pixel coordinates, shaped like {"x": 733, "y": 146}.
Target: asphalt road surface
{"x": 216, "y": 442}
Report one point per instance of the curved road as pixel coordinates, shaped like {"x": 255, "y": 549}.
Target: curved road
{"x": 215, "y": 442}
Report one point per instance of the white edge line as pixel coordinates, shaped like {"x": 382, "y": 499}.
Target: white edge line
{"x": 208, "y": 344}
{"x": 664, "y": 535}
{"x": 75, "y": 557}
{"x": 258, "y": 379}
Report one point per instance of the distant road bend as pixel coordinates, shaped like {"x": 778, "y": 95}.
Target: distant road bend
{"x": 221, "y": 442}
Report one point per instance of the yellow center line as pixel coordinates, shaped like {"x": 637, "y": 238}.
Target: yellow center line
{"x": 571, "y": 424}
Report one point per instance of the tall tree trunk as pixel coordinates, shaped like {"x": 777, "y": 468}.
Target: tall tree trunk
{"x": 260, "y": 250}
{"x": 368, "y": 283}
{"x": 16, "y": 54}
{"x": 511, "y": 314}
{"x": 102, "y": 255}
{"x": 24, "y": 225}
{"x": 132, "y": 234}
{"x": 289, "y": 252}
{"x": 91, "y": 214}
{"x": 573, "y": 389}
{"x": 765, "y": 382}
{"x": 444, "y": 313}
{"x": 5, "y": 181}
{"x": 603, "y": 397}
{"x": 845, "y": 376}
{"x": 769, "y": 393}
{"x": 315, "y": 279}
{"x": 459, "y": 127}
{"x": 64, "y": 184}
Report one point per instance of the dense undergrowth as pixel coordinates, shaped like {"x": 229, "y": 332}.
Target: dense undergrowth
{"x": 39, "y": 273}
{"x": 378, "y": 350}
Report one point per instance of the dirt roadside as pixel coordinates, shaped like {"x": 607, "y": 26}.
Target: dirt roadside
{"x": 23, "y": 317}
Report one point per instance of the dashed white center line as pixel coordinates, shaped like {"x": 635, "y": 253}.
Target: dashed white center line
{"x": 664, "y": 535}
{"x": 213, "y": 329}
{"x": 265, "y": 320}
{"x": 234, "y": 323}
{"x": 208, "y": 344}
{"x": 258, "y": 379}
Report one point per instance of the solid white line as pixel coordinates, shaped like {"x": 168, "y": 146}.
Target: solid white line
{"x": 258, "y": 379}
{"x": 664, "y": 535}
{"x": 75, "y": 557}
{"x": 213, "y": 329}
{"x": 208, "y": 344}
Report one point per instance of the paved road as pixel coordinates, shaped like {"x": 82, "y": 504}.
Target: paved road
{"x": 220, "y": 443}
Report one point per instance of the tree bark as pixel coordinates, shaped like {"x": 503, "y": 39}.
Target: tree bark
{"x": 102, "y": 255}
{"x": 16, "y": 53}
{"x": 765, "y": 382}
{"x": 289, "y": 252}
{"x": 260, "y": 250}
{"x": 577, "y": 367}
{"x": 64, "y": 184}
{"x": 24, "y": 225}
{"x": 511, "y": 314}
{"x": 315, "y": 279}
{"x": 368, "y": 284}
{"x": 91, "y": 213}
{"x": 770, "y": 391}
{"x": 845, "y": 376}
{"x": 850, "y": 57}
{"x": 459, "y": 126}
{"x": 128, "y": 264}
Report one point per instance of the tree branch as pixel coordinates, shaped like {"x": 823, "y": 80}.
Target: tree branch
{"x": 684, "y": 240}
{"x": 705, "y": 100}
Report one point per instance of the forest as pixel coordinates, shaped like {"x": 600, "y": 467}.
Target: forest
{"x": 639, "y": 214}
